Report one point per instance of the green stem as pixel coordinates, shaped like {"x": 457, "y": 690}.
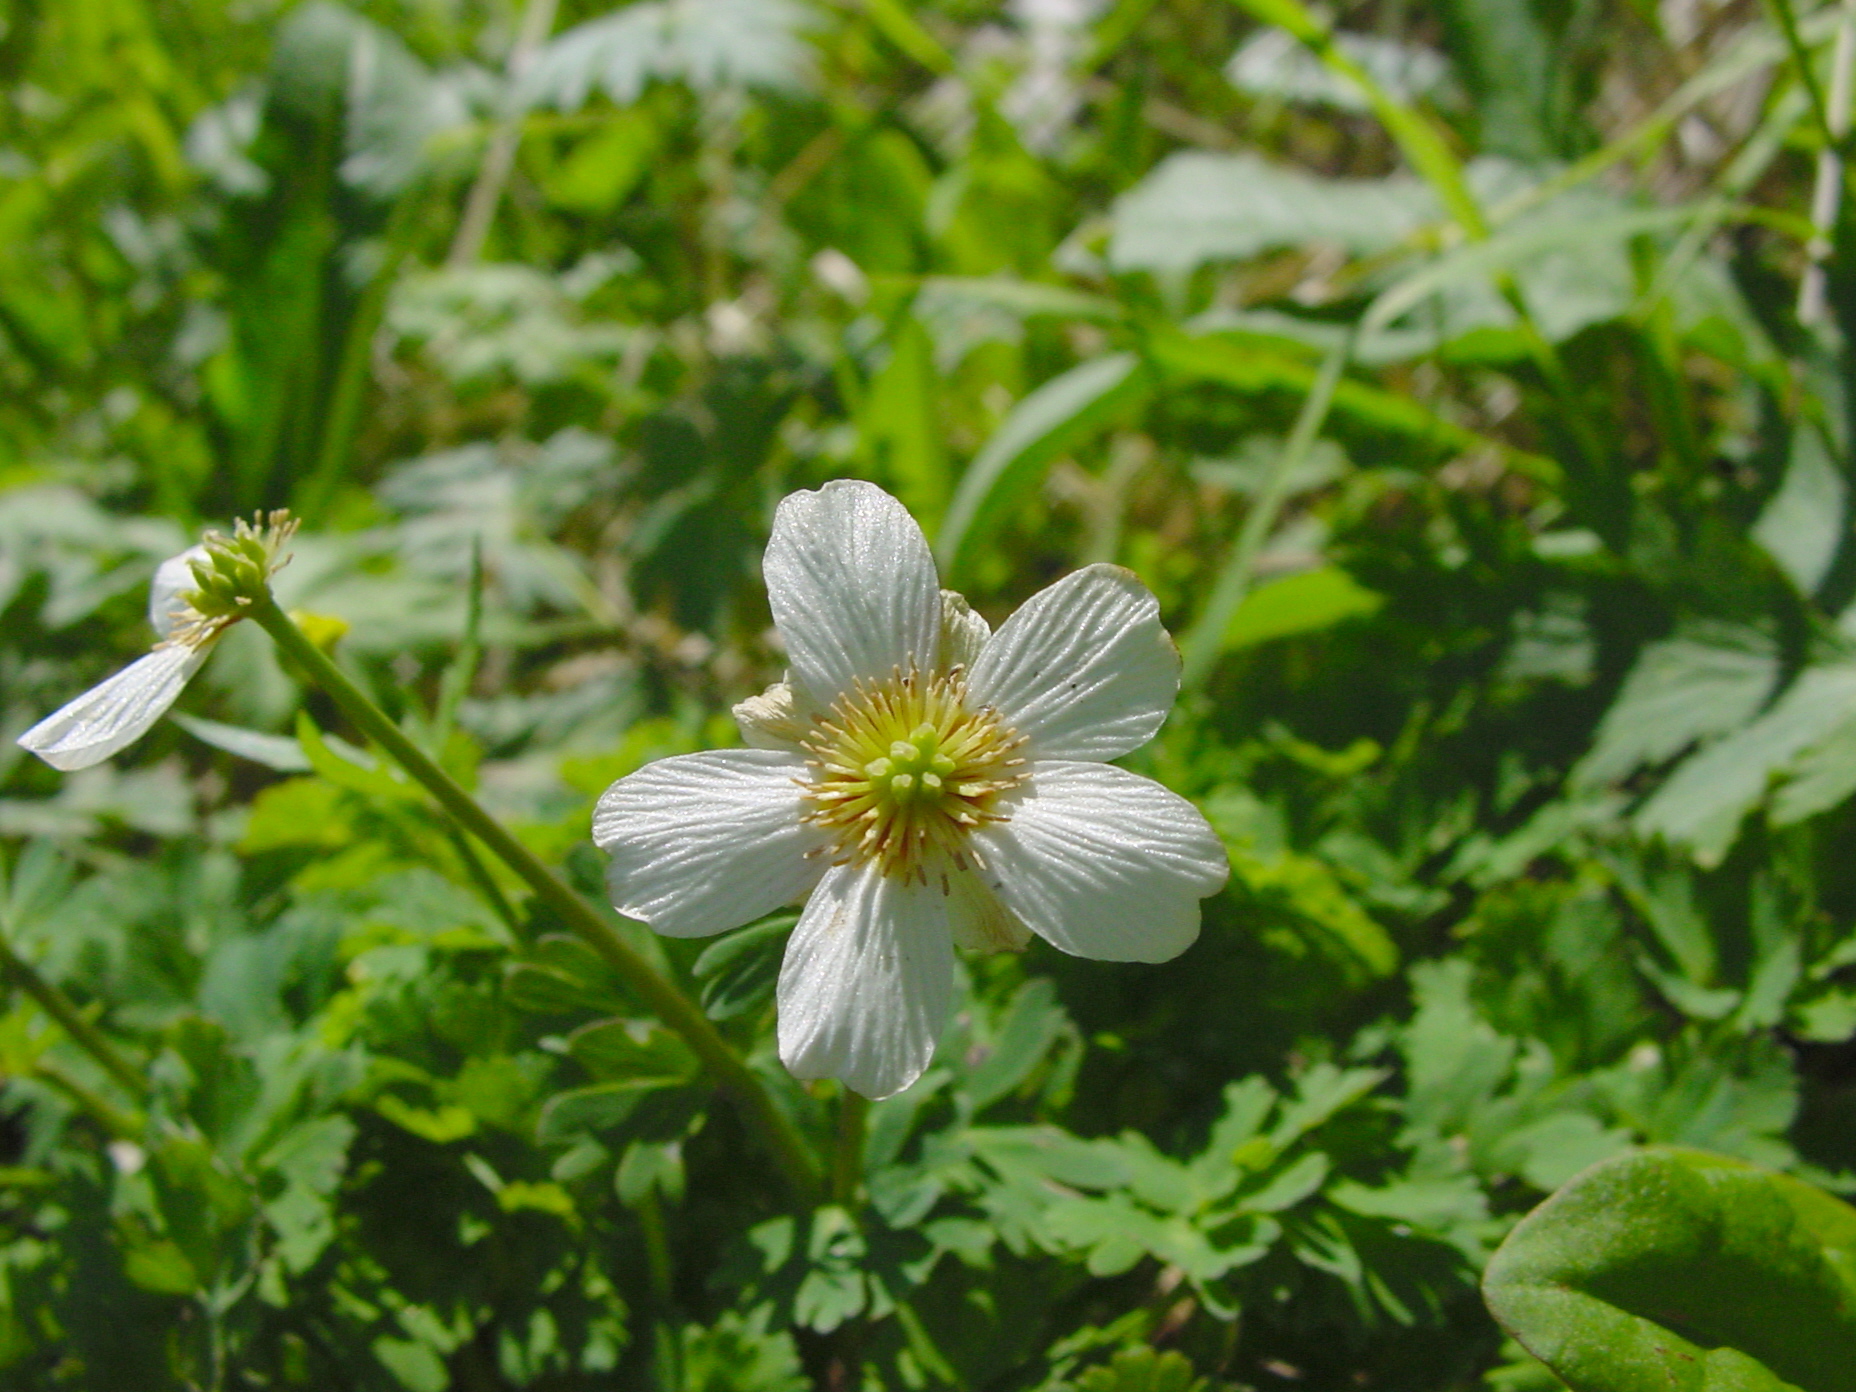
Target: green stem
{"x": 123, "y": 1125}
{"x": 63, "y": 1009}
{"x": 669, "y": 1004}
{"x": 1206, "y": 638}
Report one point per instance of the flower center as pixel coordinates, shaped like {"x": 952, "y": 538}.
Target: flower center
{"x": 904, "y": 770}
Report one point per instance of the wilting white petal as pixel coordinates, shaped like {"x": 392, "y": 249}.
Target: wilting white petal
{"x": 963, "y": 632}
{"x": 852, "y": 587}
{"x": 1083, "y": 670}
{"x": 1104, "y": 863}
{"x": 976, "y": 918}
{"x": 704, "y": 842}
{"x": 173, "y": 577}
{"x": 774, "y": 719}
{"x": 115, "y": 713}
{"x": 865, "y": 984}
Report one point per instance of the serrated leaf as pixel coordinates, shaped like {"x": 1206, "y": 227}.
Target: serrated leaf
{"x": 1704, "y": 800}
{"x": 632, "y": 1049}
{"x": 1704, "y": 682}
{"x": 1197, "y": 207}
{"x": 739, "y": 970}
{"x": 596, "y": 1108}
{"x": 1142, "y": 1370}
{"x": 561, "y": 975}
{"x": 1289, "y": 1186}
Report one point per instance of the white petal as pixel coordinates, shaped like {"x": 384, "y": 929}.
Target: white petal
{"x": 705, "y": 842}
{"x": 1104, "y": 863}
{"x": 1083, "y": 670}
{"x": 865, "y": 985}
{"x": 115, "y": 713}
{"x": 852, "y": 587}
{"x": 963, "y": 632}
{"x": 172, "y": 577}
{"x": 976, "y": 918}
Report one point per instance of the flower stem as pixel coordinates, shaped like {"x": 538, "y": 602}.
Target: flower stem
{"x": 670, "y": 1004}
{"x": 61, "y": 1008}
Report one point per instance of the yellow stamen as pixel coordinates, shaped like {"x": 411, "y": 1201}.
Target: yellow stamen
{"x": 903, "y": 771}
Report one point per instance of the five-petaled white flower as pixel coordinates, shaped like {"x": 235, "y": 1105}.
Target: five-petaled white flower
{"x": 925, "y": 781}
{"x": 195, "y": 597}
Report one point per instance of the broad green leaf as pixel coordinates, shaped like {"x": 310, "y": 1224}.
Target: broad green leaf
{"x": 1253, "y": 362}
{"x": 1302, "y": 603}
{"x": 1299, "y": 1179}
{"x": 1677, "y": 1269}
{"x": 1052, "y": 419}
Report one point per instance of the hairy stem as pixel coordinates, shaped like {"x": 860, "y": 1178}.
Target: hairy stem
{"x": 670, "y": 1005}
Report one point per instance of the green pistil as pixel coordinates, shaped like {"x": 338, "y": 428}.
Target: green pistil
{"x": 914, "y": 768}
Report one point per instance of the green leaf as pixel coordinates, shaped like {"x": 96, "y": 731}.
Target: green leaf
{"x": 1677, "y": 1269}
{"x": 1198, "y": 207}
{"x": 1820, "y": 778}
{"x": 648, "y": 1167}
{"x": 1704, "y": 800}
{"x": 1302, "y": 603}
{"x": 1704, "y": 682}
{"x": 561, "y": 975}
{"x": 273, "y": 751}
{"x": 899, "y": 424}
{"x": 1033, "y": 1023}
{"x": 162, "y": 1267}
{"x": 1142, "y": 1370}
{"x": 1051, "y": 420}
{"x": 595, "y": 1108}
{"x": 1803, "y": 524}
{"x": 632, "y": 1049}
{"x": 738, "y": 970}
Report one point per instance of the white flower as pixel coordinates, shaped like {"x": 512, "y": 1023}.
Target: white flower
{"x": 116, "y": 713}
{"x": 925, "y": 782}
{"x": 222, "y": 575}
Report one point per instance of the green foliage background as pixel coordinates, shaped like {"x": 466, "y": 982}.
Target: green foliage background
{"x": 1467, "y": 429}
